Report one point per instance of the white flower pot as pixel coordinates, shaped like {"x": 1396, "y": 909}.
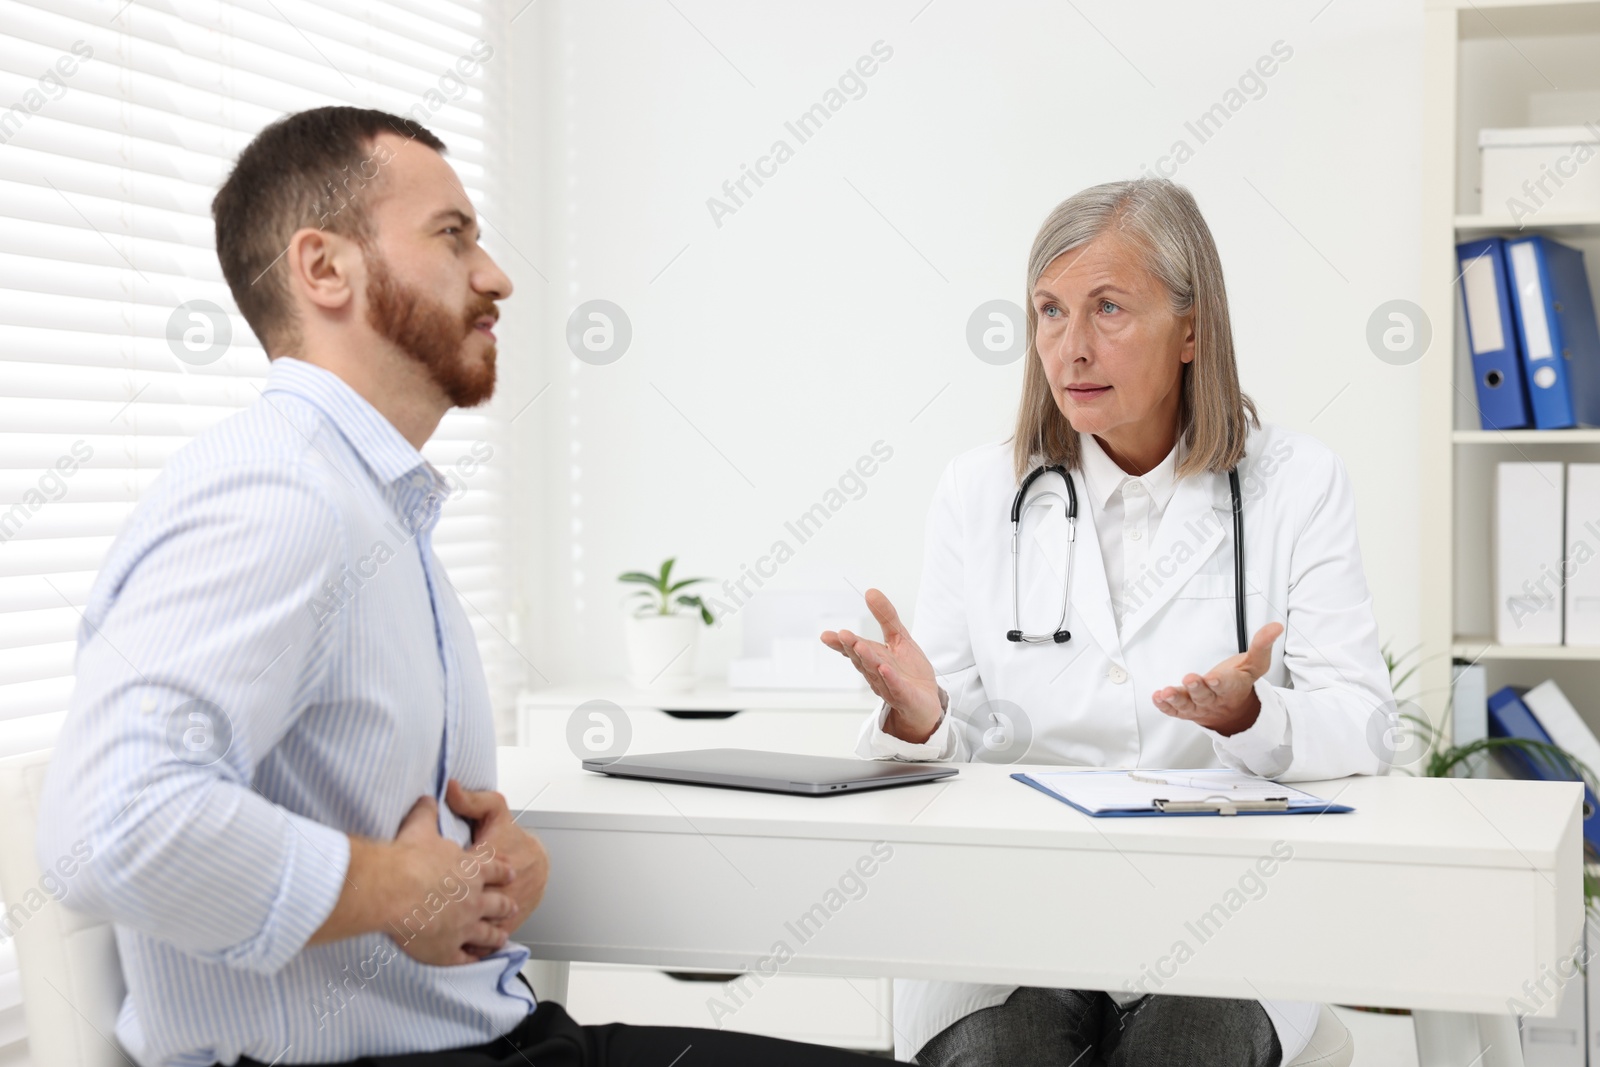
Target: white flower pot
{"x": 661, "y": 651}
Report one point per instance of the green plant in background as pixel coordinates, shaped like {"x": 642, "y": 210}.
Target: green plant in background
{"x": 1394, "y": 663}
{"x": 660, "y": 596}
{"x": 1457, "y": 761}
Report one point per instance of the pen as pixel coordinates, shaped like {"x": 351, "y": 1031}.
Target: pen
{"x": 1194, "y": 783}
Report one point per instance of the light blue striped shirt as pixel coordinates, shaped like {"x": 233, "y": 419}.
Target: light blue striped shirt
{"x": 272, "y": 657}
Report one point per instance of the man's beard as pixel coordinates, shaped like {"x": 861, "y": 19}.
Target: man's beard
{"x": 431, "y": 334}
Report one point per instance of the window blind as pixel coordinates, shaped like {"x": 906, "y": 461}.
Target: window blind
{"x": 119, "y": 341}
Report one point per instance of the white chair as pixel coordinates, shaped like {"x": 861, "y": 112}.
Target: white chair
{"x": 71, "y": 978}
{"x": 1331, "y": 1044}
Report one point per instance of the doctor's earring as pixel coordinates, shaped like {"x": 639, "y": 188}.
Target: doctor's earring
{"x": 997, "y": 731}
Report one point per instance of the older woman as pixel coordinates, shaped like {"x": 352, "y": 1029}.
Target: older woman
{"x": 1131, "y": 647}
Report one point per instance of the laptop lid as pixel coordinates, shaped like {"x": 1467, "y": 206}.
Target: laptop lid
{"x": 777, "y": 772}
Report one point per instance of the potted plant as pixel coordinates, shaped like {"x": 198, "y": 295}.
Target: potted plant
{"x": 663, "y": 629}
{"x": 1457, "y": 761}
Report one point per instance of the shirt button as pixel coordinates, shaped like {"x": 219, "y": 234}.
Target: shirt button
{"x": 1117, "y": 674}
{"x": 1134, "y": 534}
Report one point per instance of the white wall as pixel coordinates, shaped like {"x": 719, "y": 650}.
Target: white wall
{"x": 826, "y": 313}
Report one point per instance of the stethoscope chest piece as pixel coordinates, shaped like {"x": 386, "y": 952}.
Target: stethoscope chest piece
{"x": 1060, "y": 637}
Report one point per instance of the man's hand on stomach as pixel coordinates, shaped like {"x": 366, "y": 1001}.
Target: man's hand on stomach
{"x": 495, "y": 834}
{"x": 442, "y": 904}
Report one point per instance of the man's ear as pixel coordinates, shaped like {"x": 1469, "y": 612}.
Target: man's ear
{"x": 324, "y": 268}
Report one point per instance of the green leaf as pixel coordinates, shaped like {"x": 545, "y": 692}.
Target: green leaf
{"x": 1393, "y": 663}
{"x": 695, "y": 602}
{"x": 1551, "y": 757}
{"x": 1404, "y": 678}
{"x": 663, "y": 587}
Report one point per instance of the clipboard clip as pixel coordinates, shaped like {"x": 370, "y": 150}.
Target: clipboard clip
{"x": 1221, "y": 805}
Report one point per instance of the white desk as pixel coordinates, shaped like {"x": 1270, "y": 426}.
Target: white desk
{"x": 1442, "y": 895}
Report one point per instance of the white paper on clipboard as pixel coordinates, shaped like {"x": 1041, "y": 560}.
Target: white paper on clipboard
{"x": 1098, "y": 791}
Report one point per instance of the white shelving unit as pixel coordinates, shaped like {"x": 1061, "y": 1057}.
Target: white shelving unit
{"x": 1489, "y": 65}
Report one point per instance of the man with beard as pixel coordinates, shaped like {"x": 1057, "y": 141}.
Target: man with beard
{"x": 279, "y": 752}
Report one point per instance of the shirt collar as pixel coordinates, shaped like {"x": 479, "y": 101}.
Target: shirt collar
{"x": 375, "y": 439}
{"x": 1103, "y": 477}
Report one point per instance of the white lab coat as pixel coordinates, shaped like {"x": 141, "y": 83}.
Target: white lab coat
{"x": 1327, "y": 708}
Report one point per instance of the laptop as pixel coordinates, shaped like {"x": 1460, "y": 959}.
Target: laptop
{"x": 773, "y": 772}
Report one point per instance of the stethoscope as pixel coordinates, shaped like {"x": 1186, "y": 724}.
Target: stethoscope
{"x": 1061, "y": 635}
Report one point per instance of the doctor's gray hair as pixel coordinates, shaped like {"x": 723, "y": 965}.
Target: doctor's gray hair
{"x": 1162, "y": 222}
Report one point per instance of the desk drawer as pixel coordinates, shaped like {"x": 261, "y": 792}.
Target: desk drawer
{"x": 844, "y": 1012}
{"x": 811, "y": 731}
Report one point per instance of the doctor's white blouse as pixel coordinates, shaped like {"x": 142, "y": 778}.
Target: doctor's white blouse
{"x": 1151, "y": 599}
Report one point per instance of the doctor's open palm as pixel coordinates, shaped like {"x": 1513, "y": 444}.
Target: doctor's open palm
{"x": 896, "y": 669}
{"x": 1224, "y": 698}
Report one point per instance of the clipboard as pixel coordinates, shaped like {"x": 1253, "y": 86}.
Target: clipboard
{"x": 1145, "y": 792}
